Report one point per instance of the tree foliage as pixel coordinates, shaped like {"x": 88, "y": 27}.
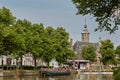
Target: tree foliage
{"x": 62, "y": 45}
{"x": 116, "y": 75}
{"x": 107, "y": 51}
{"x": 88, "y": 53}
{"x": 105, "y": 12}
{"x": 19, "y": 37}
{"x": 6, "y": 17}
{"x": 117, "y": 52}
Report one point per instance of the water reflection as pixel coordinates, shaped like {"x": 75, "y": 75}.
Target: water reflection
{"x": 71, "y": 77}
{"x": 94, "y": 77}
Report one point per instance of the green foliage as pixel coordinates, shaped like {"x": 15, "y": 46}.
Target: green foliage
{"x": 6, "y": 17}
{"x": 116, "y": 75}
{"x": 19, "y": 37}
{"x": 88, "y": 53}
{"x": 103, "y": 10}
{"x": 117, "y": 51}
{"x": 61, "y": 39}
{"x": 107, "y": 51}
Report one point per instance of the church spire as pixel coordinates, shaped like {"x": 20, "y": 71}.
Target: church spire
{"x": 85, "y": 20}
{"x": 85, "y": 33}
{"x": 85, "y": 26}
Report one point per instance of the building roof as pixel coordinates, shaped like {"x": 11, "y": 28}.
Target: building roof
{"x": 78, "y": 57}
{"x": 79, "y": 44}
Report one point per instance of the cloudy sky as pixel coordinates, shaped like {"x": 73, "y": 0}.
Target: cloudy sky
{"x": 58, "y": 13}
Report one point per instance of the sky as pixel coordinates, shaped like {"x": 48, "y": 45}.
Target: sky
{"x": 58, "y": 13}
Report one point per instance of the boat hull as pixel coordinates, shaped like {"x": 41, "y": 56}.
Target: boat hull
{"x": 54, "y": 73}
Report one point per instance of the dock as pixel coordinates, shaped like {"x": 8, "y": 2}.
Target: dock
{"x": 94, "y": 72}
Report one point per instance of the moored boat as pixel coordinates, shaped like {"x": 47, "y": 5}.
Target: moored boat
{"x": 54, "y": 71}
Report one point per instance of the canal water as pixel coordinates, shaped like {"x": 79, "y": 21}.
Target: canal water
{"x": 71, "y": 77}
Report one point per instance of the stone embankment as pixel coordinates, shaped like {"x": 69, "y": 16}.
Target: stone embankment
{"x": 18, "y": 72}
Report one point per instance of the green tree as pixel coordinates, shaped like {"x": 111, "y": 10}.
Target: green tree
{"x": 105, "y": 12}
{"x": 7, "y": 32}
{"x": 22, "y": 29}
{"x": 48, "y": 45}
{"x": 88, "y": 53}
{"x": 116, "y": 75}
{"x": 117, "y": 52}
{"x": 1, "y": 39}
{"x": 6, "y": 20}
{"x": 62, "y": 45}
{"x": 6, "y": 17}
{"x": 37, "y": 41}
{"x": 19, "y": 37}
{"x": 10, "y": 40}
{"x": 107, "y": 52}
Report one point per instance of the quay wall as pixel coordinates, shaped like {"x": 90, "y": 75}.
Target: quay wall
{"x": 18, "y": 72}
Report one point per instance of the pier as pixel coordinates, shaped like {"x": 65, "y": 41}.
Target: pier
{"x": 94, "y": 72}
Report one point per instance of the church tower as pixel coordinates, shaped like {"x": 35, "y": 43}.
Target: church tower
{"x": 85, "y": 34}
{"x": 71, "y": 43}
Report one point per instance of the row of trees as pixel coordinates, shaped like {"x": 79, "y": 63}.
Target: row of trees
{"x": 19, "y": 37}
{"x": 106, "y": 49}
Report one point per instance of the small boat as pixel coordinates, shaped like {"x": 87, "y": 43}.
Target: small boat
{"x": 54, "y": 72}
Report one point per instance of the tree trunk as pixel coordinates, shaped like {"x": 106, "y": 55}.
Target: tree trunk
{"x": 21, "y": 62}
{"x": 35, "y": 61}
